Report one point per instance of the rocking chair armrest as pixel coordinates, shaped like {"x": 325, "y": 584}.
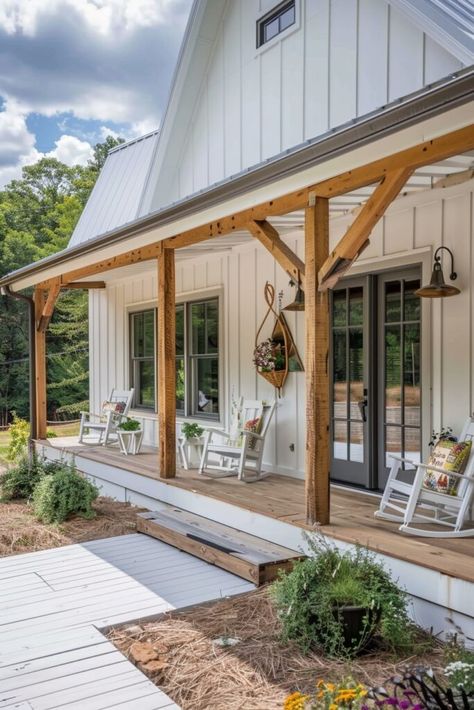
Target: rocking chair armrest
{"x": 247, "y": 432}
{"x": 438, "y": 469}
{"x": 212, "y": 430}
{"x": 403, "y": 459}
{"x": 91, "y": 414}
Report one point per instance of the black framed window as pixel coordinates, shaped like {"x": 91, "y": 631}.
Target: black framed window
{"x": 197, "y": 358}
{"x": 275, "y": 22}
{"x": 143, "y": 358}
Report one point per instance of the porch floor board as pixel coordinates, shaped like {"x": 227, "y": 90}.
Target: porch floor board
{"x": 282, "y": 498}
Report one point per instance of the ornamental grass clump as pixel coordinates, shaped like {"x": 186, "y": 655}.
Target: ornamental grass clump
{"x": 317, "y": 600}
{"x": 66, "y": 492}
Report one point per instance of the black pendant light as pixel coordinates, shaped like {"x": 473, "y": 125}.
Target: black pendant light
{"x": 438, "y": 288}
{"x": 298, "y": 303}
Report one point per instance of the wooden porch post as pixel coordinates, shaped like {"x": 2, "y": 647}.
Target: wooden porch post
{"x": 317, "y": 364}
{"x": 40, "y": 365}
{"x": 166, "y": 363}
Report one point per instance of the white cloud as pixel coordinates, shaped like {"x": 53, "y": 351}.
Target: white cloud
{"x": 71, "y": 151}
{"x": 17, "y": 144}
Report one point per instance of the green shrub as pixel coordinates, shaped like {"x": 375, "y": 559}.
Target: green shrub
{"x": 130, "y": 425}
{"x": 191, "y": 430}
{"x": 20, "y": 480}
{"x": 310, "y": 597}
{"x": 19, "y": 433}
{"x": 63, "y": 494}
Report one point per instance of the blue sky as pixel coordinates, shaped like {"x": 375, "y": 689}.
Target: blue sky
{"x": 74, "y": 71}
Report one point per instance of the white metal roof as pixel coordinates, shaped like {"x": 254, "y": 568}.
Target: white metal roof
{"x": 115, "y": 199}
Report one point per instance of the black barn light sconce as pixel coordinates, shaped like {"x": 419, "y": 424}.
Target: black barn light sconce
{"x": 437, "y": 287}
{"x": 298, "y": 303}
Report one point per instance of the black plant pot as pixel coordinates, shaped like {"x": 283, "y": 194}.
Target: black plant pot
{"x": 358, "y": 625}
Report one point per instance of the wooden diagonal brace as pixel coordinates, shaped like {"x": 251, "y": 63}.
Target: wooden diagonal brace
{"x": 48, "y": 309}
{"x": 271, "y": 240}
{"x": 356, "y": 239}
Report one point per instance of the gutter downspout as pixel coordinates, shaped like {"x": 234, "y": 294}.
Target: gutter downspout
{"x": 32, "y": 360}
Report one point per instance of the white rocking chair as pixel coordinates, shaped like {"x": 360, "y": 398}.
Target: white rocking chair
{"x": 238, "y": 452}
{"x": 411, "y": 500}
{"x": 105, "y": 424}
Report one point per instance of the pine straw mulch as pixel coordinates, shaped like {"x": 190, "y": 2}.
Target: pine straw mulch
{"x": 21, "y": 532}
{"x": 258, "y": 672}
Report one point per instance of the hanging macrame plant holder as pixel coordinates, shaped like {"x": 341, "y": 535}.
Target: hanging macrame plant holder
{"x": 278, "y": 345}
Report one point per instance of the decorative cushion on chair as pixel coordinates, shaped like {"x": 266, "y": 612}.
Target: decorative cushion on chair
{"x": 452, "y": 456}
{"x": 115, "y": 407}
{"x": 254, "y": 425}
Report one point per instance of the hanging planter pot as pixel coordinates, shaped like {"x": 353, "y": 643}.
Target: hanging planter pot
{"x": 271, "y": 355}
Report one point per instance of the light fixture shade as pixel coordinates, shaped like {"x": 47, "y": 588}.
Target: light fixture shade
{"x": 298, "y": 303}
{"x": 437, "y": 288}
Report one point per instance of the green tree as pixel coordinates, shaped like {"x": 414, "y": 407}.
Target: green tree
{"x": 38, "y": 213}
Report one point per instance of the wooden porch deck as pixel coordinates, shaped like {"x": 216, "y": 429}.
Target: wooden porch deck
{"x": 282, "y": 498}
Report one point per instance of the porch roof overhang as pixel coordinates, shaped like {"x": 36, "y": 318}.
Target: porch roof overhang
{"x": 430, "y": 113}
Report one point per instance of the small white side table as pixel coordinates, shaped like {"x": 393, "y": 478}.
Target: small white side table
{"x": 188, "y": 447}
{"x": 130, "y": 441}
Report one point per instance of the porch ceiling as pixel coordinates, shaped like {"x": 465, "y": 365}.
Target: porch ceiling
{"x": 431, "y": 177}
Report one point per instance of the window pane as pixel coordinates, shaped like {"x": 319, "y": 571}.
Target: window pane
{"x": 204, "y": 328}
{"x": 411, "y": 375}
{"x": 339, "y": 373}
{"x": 412, "y": 302}
{"x": 180, "y": 386}
{"x": 206, "y": 386}
{"x": 148, "y": 333}
{"x": 412, "y": 443}
{"x": 356, "y": 446}
{"x": 212, "y": 325}
{"x": 270, "y": 29}
{"x": 393, "y": 443}
{"x": 137, "y": 329}
{"x": 392, "y": 301}
{"x": 393, "y": 390}
{"x": 356, "y": 306}
{"x": 287, "y": 18}
{"x": 339, "y": 308}
{"x": 356, "y": 370}
{"x": 340, "y": 440}
{"x": 198, "y": 328}
{"x": 145, "y": 383}
{"x": 180, "y": 330}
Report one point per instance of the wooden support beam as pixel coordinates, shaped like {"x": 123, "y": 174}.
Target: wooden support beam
{"x": 317, "y": 365}
{"x": 281, "y": 252}
{"x": 357, "y": 236}
{"x": 166, "y": 364}
{"x": 86, "y": 285}
{"x": 431, "y": 151}
{"x": 48, "y": 309}
{"x": 40, "y": 298}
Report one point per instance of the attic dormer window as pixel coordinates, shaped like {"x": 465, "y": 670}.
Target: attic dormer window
{"x": 275, "y": 22}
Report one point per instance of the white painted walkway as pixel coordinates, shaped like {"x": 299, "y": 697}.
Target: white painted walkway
{"x": 52, "y": 604}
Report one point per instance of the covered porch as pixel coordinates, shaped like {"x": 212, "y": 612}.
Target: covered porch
{"x": 273, "y": 508}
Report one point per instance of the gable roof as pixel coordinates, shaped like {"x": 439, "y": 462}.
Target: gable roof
{"x": 449, "y": 22}
{"x": 116, "y": 197}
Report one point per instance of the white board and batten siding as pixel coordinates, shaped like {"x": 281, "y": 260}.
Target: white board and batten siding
{"x": 342, "y": 59}
{"x": 413, "y": 227}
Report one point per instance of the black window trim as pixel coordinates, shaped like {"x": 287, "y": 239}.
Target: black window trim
{"x": 273, "y": 14}
{"x": 188, "y": 357}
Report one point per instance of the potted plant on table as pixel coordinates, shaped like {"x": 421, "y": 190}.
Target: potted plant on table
{"x": 130, "y": 425}
{"x": 191, "y": 430}
{"x": 340, "y": 600}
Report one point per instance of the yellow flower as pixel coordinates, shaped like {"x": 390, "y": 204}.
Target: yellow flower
{"x": 333, "y": 706}
{"x": 295, "y": 701}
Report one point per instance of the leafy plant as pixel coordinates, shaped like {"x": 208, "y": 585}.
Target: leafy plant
{"x": 19, "y": 433}
{"x": 191, "y": 430}
{"x": 460, "y": 665}
{"x": 269, "y": 356}
{"x": 310, "y": 600}
{"x": 130, "y": 425}
{"x": 21, "y": 480}
{"x": 57, "y": 497}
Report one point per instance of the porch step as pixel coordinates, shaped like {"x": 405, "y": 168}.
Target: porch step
{"x": 242, "y": 554}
